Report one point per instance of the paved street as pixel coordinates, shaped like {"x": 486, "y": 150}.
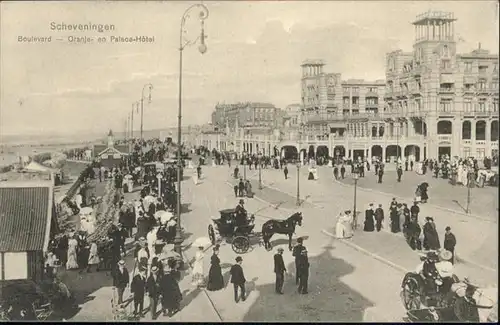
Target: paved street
{"x": 354, "y": 280}
{"x": 484, "y": 201}
{"x": 329, "y": 295}
{"x": 477, "y": 239}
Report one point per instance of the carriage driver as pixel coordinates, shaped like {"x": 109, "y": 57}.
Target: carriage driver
{"x": 240, "y": 214}
{"x": 436, "y": 268}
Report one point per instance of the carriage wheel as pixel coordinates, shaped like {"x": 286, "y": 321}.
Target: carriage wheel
{"x": 411, "y": 294}
{"x": 240, "y": 244}
{"x": 211, "y": 234}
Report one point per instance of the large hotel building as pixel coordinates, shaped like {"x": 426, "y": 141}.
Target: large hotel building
{"x": 434, "y": 102}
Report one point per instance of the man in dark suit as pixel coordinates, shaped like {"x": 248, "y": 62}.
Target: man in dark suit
{"x": 279, "y": 269}
{"x": 303, "y": 270}
{"x": 138, "y": 288}
{"x": 379, "y": 217}
{"x": 449, "y": 243}
{"x": 342, "y": 171}
{"x": 153, "y": 289}
{"x": 296, "y": 253}
{"x": 238, "y": 279}
{"x": 121, "y": 280}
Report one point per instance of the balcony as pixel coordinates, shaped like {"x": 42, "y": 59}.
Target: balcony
{"x": 469, "y": 90}
{"x": 371, "y": 105}
{"x": 446, "y": 90}
{"x": 416, "y": 91}
{"x": 482, "y": 90}
{"x": 445, "y": 138}
{"x": 346, "y": 106}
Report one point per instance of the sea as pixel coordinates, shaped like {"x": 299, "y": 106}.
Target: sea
{"x": 14, "y": 146}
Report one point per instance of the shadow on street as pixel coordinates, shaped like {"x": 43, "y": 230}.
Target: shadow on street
{"x": 328, "y": 299}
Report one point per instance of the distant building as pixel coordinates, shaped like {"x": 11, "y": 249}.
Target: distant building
{"x": 249, "y": 114}
{"x": 434, "y": 102}
{"x": 27, "y": 222}
{"x": 444, "y": 102}
{"x": 111, "y": 154}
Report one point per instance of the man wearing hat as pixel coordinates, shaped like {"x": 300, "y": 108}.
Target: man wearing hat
{"x": 296, "y": 253}
{"x": 303, "y": 271}
{"x": 138, "y": 289}
{"x": 238, "y": 279}
{"x": 449, "y": 243}
{"x": 279, "y": 269}
{"x": 241, "y": 213}
{"x": 154, "y": 290}
{"x": 121, "y": 280}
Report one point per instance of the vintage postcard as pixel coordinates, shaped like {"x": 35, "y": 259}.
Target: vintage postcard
{"x": 249, "y": 161}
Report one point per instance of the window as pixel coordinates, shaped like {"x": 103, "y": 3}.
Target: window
{"x": 373, "y": 89}
{"x": 480, "y": 153}
{"x": 495, "y": 105}
{"x": 495, "y": 67}
{"x": 468, "y": 66}
{"x": 482, "y": 105}
{"x": 468, "y": 105}
{"x": 355, "y": 89}
{"x": 371, "y": 101}
{"x": 346, "y": 90}
{"x": 15, "y": 266}
{"x": 494, "y": 85}
{"x": 345, "y": 112}
{"x": 467, "y": 152}
{"x": 418, "y": 104}
{"x": 355, "y": 100}
{"x": 481, "y": 84}
{"x": 445, "y": 64}
{"x": 483, "y": 69}
{"x": 346, "y": 100}
{"x": 469, "y": 86}
{"x": 445, "y": 105}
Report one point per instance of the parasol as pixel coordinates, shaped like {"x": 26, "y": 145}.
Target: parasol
{"x": 127, "y": 177}
{"x": 86, "y": 210}
{"x": 169, "y": 254}
{"x": 171, "y": 223}
{"x": 202, "y": 242}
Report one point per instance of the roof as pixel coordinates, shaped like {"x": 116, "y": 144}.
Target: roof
{"x": 36, "y": 167}
{"x": 25, "y": 216}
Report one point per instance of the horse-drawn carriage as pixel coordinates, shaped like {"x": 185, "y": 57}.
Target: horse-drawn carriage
{"x": 226, "y": 227}
{"x": 25, "y": 300}
{"x": 428, "y": 299}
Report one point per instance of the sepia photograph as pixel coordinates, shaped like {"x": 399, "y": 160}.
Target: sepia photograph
{"x": 249, "y": 161}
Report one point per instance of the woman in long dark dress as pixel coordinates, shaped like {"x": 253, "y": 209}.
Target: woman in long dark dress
{"x": 215, "y": 279}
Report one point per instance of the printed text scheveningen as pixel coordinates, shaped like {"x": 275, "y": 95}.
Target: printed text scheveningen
{"x": 101, "y": 28}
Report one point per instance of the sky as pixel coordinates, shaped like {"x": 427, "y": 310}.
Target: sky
{"x": 255, "y": 49}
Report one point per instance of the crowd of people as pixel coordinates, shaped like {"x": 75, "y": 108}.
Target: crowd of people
{"x": 401, "y": 219}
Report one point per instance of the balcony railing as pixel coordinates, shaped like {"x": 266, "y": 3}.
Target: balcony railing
{"x": 445, "y": 90}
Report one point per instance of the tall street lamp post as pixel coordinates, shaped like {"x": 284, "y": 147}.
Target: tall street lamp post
{"x": 244, "y": 167}
{"x": 183, "y": 43}
{"x": 298, "y": 165}
{"x": 355, "y": 176}
{"x": 260, "y": 171}
{"x": 135, "y": 106}
{"x": 150, "y": 87}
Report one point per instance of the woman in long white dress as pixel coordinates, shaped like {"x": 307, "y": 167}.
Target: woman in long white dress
{"x": 198, "y": 278}
{"x": 195, "y": 177}
{"x": 72, "y": 253}
{"x": 343, "y": 228}
{"x": 93, "y": 257}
